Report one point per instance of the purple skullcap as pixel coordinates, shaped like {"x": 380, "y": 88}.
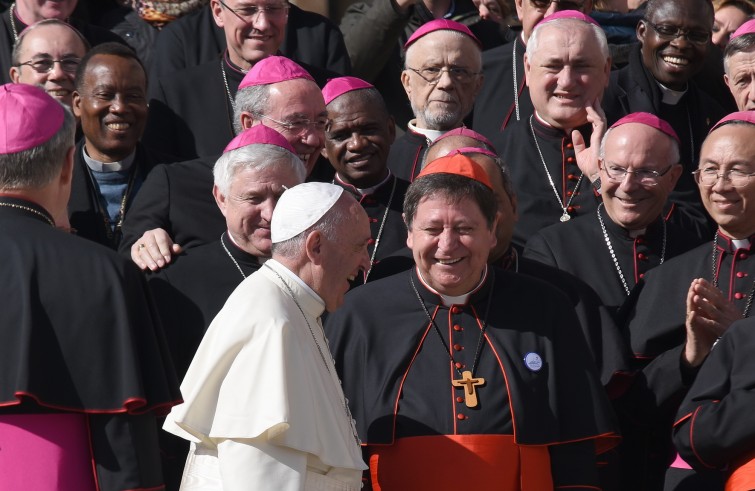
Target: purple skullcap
{"x": 337, "y": 87}
{"x": 272, "y": 70}
{"x": 440, "y": 25}
{"x": 462, "y": 131}
{"x": 649, "y": 120}
{"x": 468, "y": 150}
{"x": 259, "y": 134}
{"x": 569, "y": 14}
{"x": 746, "y": 28}
{"x": 745, "y": 116}
{"x": 28, "y": 117}
{"x": 458, "y": 164}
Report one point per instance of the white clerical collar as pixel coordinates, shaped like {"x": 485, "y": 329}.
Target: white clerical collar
{"x": 431, "y": 135}
{"x": 98, "y": 166}
{"x": 449, "y": 300}
{"x": 280, "y": 268}
{"x": 741, "y": 243}
{"x": 366, "y": 191}
{"x": 671, "y": 96}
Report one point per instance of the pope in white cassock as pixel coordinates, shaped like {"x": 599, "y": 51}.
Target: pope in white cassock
{"x": 263, "y": 404}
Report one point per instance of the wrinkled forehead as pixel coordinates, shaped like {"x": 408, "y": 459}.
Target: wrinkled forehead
{"x": 52, "y": 39}
{"x": 438, "y": 43}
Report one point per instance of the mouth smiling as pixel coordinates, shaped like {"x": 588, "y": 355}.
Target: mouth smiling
{"x": 676, "y": 61}
{"x": 449, "y": 262}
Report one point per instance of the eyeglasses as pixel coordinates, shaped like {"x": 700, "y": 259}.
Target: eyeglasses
{"x": 562, "y": 4}
{"x": 45, "y": 65}
{"x": 673, "y": 32}
{"x": 298, "y": 126}
{"x": 709, "y": 177}
{"x": 432, "y": 74}
{"x": 646, "y": 177}
{"x": 251, "y": 13}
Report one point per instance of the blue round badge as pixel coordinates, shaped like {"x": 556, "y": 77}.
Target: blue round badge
{"x": 533, "y": 361}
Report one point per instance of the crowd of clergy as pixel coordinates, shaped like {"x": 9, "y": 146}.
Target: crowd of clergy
{"x": 436, "y": 246}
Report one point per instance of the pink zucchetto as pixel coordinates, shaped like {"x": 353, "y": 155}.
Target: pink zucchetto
{"x": 259, "y": 134}
{"x": 648, "y": 120}
{"x": 569, "y": 14}
{"x": 457, "y": 164}
{"x": 28, "y": 117}
{"x": 746, "y": 28}
{"x": 440, "y": 25}
{"x": 468, "y": 150}
{"x": 744, "y": 116}
{"x": 272, "y": 70}
{"x": 337, "y": 87}
{"x": 462, "y": 131}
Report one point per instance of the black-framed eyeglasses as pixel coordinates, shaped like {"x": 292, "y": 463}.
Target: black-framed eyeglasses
{"x": 433, "y": 74}
{"x": 298, "y": 126}
{"x": 250, "y": 13}
{"x": 646, "y": 177}
{"x": 709, "y": 177}
{"x": 696, "y": 36}
{"x": 45, "y": 65}
{"x": 562, "y": 4}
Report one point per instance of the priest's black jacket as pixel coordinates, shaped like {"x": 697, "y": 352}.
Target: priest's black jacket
{"x": 406, "y": 155}
{"x": 581, "y": 249}
{"x": 397, "y": 373}
{"x": 656, "y": 333}
{"x": 634, "y": 89}
{"x": 177, "y": 198}
{"x": 92, "y": 33}
{"x": 495, "y": 108}
{"x": 537, "y": 203}
{"x": 81, "y": 334}
{"x": 84, "y": 211}
{"x": 195, "y": 39}
{"x": 714, "y": 428}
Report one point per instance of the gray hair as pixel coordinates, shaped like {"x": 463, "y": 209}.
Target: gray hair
{"x": 457, "y": 34}
{"x": 258, "y": 157}
{"x": 674, "y": 155}
{"x": 251, "y": 99}
{"x": 534, "y": 39}
{"x": 37, "y": 167}
{"x": 329, "y": 225}
{"x": 16, "y": 53}
{"x": 741, "y": 44}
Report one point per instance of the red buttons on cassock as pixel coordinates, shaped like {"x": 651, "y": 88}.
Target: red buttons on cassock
{"x": 739, "y": 296}
{"x": 569, "y": 193}
{"x": 371, "y": 241}
{"x": 640, "y": 239}
{"x": 460, "y": 399}
{"x": 570, "y": 209}
{"x": 569, "y": 145}
{"x": 461, "y": 417}
{"x": 570, "y": 159}
{"x": 743, "y": 255}
{"x": 741, "y": 274}
{"x": 455, "y": 309}
{"x": 457, "y": 327}
{"x": 458, "y": 347}
{"x": 642, "y": 257}
{"x": 459, "y": 365}
{"x": 373, "y": 220}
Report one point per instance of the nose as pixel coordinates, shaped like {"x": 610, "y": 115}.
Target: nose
{"x": 356, "y": 142}
{"x": 447, "y": 240}
{"x": 266, "y": 209}
{"x": 57, "y": 72}
{"x": 260, "y": 20}
{"x": 117, "y": 105}
{"x": 566, "y": 77}
{"x": 750, "y": 102}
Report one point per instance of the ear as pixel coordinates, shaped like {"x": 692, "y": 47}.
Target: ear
{"x": 527, "y": 68}
{"x": 216, "y": 10}
{"x": 391, "y": 129}
{"x": 15, "y": 74}
{"x": 409, "y": 240}
{"x": 493, "y": 238}
{"x": 247, "y": 120}
{"x": 324, "y": 152}
{"x": 726, "y": 81}
{"x": 313, "y": 245}
{"x": 641, "y": 31}
{"x": 478, "y": 86}
{"x": 514, "y": 204}
{"x": 405, "y": 83}
{"x": 76, "y": 103}
{"x": 66, "y": 173}
{"x": 220, "y": 199}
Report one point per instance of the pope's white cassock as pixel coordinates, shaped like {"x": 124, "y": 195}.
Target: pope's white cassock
{"x": 263, "y": 405}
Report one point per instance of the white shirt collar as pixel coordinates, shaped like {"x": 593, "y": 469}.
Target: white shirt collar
{"x": 98, "y": 166}
{"x": 431, "y": 135}
{"x": 671, "y": 96}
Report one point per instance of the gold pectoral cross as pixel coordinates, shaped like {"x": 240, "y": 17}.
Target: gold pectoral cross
{"x": 468, "y": 384}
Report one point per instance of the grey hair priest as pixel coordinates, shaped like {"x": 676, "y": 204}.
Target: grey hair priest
{"x": 264, "y": 433}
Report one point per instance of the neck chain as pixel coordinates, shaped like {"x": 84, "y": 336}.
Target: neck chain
{"x": 113, "y": 233}
{"x": 514, "y": 77}
{"x": 225, "y": 83}
{"x": 480, "y": 339}
{"x": 714, "y": 276}
{"x": 565, "y": 217}
{"x": 11, "y": 12}
{"x": 222, "y": 243}
{"x": 380, "y": 230}
{"x": 350, "y": 419}
{"x": 30, "y": 210}
{"x": 691, "y": 137}
{"x": 613, "y": 254}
